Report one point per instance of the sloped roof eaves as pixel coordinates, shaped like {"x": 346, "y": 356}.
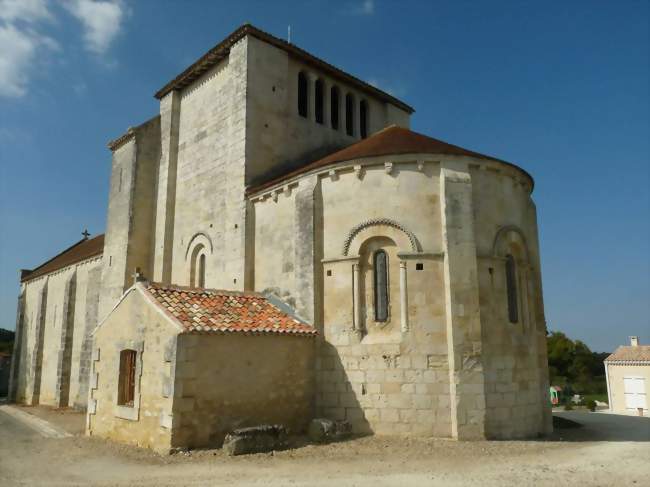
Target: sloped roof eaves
{"x": 304, "y": 330}
{"x": 84, "y": 249}
{"x": 221, "y": 50}
{"x": 630, "y": 355}
{"x": 349, "y": 153}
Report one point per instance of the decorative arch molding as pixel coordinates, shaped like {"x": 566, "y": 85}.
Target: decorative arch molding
{"x": 198, "y": 238}
{"x": 415, "y": 244}
{"x": 503, "y": 232}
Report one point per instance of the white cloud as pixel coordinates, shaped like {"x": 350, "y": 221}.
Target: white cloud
{"x": 366, "y": 7}
{"x": 24, "y": 10}
{"x": 101, "y": 21}
{"x": 20, "y": 41}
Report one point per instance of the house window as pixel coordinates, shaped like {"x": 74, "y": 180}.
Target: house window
{"x": 334, "y": 107}
{"x": 318, "y": 93}
{"x": 349, "y": 114}
{"x": 380, "y": 265}
{"x": 363, "y": 118}
{"x": 302, "y": 94}
{"x": 511, "y": 289}
{"x": 126, "y": 382}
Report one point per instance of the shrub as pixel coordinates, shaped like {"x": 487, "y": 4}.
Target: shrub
{"x": 568, "y": 406}
{"x": 591, "y": 405}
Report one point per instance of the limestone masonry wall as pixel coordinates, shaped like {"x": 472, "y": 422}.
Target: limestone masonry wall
{"x": 53, "y": 325}
{"x": 134, "y": 325}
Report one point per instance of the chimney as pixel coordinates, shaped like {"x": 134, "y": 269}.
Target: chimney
{"x": 634, "y": 341}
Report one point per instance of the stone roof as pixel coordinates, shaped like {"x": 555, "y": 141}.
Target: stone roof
{"x": 392, "y": 140}
{"x": 222, "y": 50}
{"x": 627, "y": 353}
{"x": 200, "y": 310}
{"x": 82, "y": 250}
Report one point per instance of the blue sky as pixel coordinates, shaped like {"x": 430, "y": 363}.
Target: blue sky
{"x": 560, "y": 88}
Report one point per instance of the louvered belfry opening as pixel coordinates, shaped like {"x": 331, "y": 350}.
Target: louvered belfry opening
{"x": 126, "y": 383}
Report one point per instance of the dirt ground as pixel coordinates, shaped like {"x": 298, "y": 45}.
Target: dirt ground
{"x": 571, "y": 457}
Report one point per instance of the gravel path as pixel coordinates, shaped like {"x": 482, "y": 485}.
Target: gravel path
{"x": 571, "y": 457}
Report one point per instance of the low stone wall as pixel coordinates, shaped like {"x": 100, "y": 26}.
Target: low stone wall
{"x": 230, "y": 381}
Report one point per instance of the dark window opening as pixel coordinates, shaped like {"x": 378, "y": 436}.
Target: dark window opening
{"x": 126, "y": 382}
{"x": 302, "y": 94}
{"x": 334, "y": 107}
{"x": 329, "y": 273}
{"x": 201, "y": 279}
{"x": 511, "y": 289}
{"x": 419, "y": 266}
{"x": 318, "y": 93}
{"x": 380, "y": 264}
{"x": 349, "y": 114}
{"x": 363, "y": 118}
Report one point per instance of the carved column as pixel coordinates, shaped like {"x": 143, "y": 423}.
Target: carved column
{"x": 403, "y": 297}
{"x": 356, "y": 298}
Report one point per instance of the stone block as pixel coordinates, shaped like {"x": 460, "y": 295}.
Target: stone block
{"x": 323, "y": 429}
{"x": 389, "y": 415}
{"x": 400, "y": 401}
{"x": 257, "y": 439}
{"x": 421, "y": 401}
{"x": 391, "y": 387}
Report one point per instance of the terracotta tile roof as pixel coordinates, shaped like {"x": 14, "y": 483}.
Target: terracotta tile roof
{"x": 392, "y": 140}
{"x": 82, "y": 250}
{"x": 221, "y": 51}
{"x": 210, "y": 310}
{"x": 627, "y": 353}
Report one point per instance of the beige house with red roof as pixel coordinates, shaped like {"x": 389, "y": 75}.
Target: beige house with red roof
{"x": 403, "y": 271}
{"x": 628, "y": 378}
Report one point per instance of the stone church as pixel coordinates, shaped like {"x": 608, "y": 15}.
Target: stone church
{"x": 281, "y": 246}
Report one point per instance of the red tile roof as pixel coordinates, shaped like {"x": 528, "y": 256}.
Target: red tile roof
{"x": 210, "y": 310}
{"x": 627, "y": 353}
{"x": 392, "y": 140}
{"x": 222, "y": 50}
{"x": 82, "y": 250}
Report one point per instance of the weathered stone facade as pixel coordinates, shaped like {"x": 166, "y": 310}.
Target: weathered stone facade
{"x": 230, "y": 188}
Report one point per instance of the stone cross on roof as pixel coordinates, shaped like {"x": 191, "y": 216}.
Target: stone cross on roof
{"x": 86, "y": 234}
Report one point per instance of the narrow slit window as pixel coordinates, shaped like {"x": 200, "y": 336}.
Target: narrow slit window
{"x": 511, "y": 289}
{"x": 349, "y": 114}
{"x": 363, "y": 118}
{"x": 334, "y": 107}
{"x": 201, "y": 280}
{"x": 126, "y": 382}
{"x": 380, "y": 267}
{"x": 302, "y": 94}
{"x": 318, "y": 93}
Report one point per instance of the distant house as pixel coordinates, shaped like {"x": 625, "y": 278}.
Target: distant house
{"x": 628, "y": 378}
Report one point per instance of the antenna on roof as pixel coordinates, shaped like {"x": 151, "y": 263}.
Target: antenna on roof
{"x": 289, "y": 34}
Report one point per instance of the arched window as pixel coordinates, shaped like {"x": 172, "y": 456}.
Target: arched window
{"x": 511, "y": 289}
{"x": 380, "y": 267}
{"x": 303, "y": 94}
{"x": 349, "y": 114}
{"x": 363, "y": 118}
{"x": 334, "y": 107}
{"x": 201, "y": 273}
{"x": 319, "y": 94}
{"x": 126, "y": 381}
{"x": 197, "y": 266}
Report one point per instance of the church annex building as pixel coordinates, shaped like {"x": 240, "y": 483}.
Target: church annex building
{"x": 281, "y": 246}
